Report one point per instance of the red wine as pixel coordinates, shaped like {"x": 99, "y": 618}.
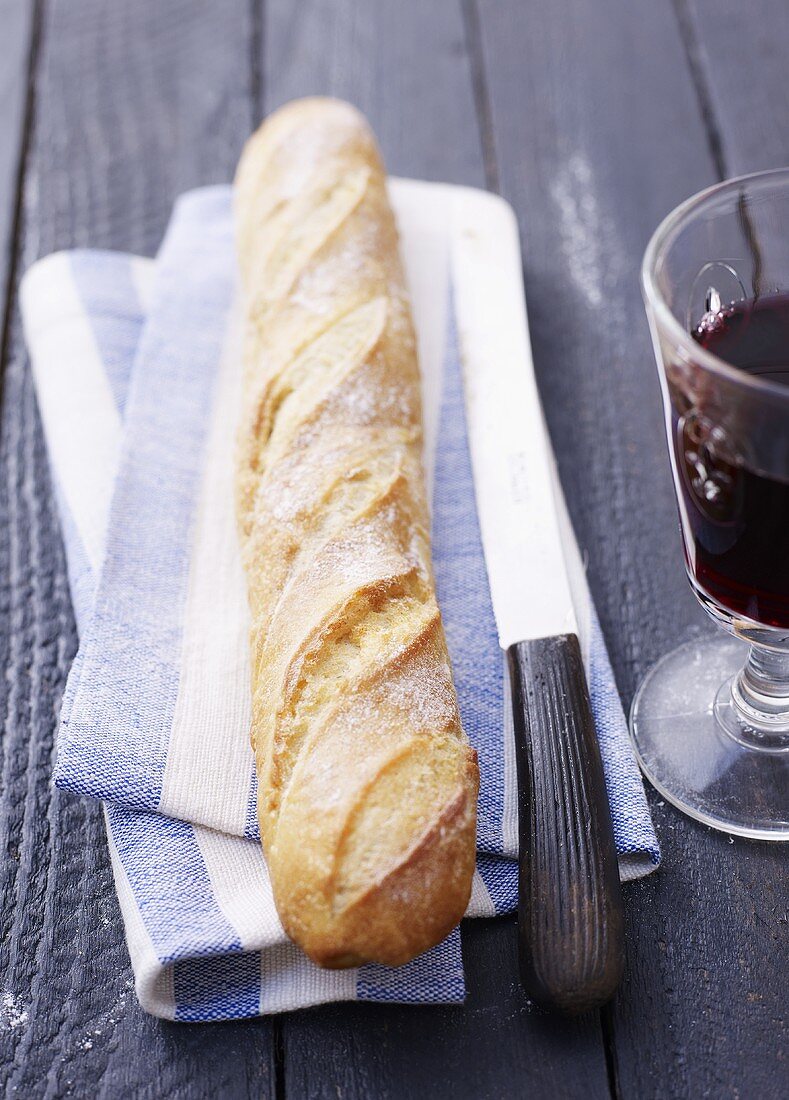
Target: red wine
{"x": 753, "y": 336}
{"x": 737, "y": 518}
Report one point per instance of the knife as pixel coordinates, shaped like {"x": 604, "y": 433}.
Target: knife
{"x": 570, "y": 923}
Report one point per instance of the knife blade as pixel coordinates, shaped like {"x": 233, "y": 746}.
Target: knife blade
{"x": 571, "y": 927}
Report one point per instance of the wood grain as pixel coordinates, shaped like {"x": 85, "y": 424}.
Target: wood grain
{"x": 405, "y": 65}
{"x": 571, "y": 934}
{"x": 596, "y": 119}
{"x": 600, "y": 132}
{"x": 741, "y": 56}
{"x": 496, "y": 1045}
{"x": 16, "y": 20}
{"x": 134, "y": 103}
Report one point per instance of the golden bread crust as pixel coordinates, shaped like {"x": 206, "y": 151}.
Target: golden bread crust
{"x": 367, "y": 784}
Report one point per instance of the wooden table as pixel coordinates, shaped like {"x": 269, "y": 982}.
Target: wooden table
{"x": 593, "y": 119}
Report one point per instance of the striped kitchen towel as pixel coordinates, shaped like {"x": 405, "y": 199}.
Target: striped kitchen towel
{"x": 136, "y": 366}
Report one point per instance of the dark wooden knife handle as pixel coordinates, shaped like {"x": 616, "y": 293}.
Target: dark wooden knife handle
{"x": 571, "y": 922}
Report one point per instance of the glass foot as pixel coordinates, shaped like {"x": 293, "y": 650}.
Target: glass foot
{"x": 690, "y": 749}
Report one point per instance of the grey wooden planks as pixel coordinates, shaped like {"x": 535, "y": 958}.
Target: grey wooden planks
{"x": 495, "y": 1046}
{"x": 599, "y": 132}
{"x": 405, "y": 65}
{"x": 16, "y": 21}
{"x": 595, "y": 123}
{"x": 741, "y": 54}
{"x": 582, "y": 109}
{"x": 408, "y": 68}
{"x": 134, "y": 103}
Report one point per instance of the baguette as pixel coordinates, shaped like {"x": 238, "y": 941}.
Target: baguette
{"x": 367, "y": 785}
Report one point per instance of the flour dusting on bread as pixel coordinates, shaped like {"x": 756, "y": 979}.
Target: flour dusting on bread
{"x": 367, "y": 784}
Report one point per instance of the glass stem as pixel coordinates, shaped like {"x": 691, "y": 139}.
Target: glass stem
{"x": 760, "y": 694}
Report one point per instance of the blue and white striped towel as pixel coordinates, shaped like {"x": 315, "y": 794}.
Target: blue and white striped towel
{"x": 137, "y": 373}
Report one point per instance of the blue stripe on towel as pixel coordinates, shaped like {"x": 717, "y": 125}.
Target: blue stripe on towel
{"x": 464, "y": 599}
{"x": 433, "y": 978}
{"x": 164, "y": 864}
{"x": 633, "y": 828}
{"x": 226, "y": 987}
{"x": 501, "y": 881}
{"x": 132, "y": 653}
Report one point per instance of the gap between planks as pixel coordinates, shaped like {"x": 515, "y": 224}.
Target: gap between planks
{"x": 15, "y": 232}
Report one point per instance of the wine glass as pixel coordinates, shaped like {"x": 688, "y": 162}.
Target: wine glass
{"x": 710, "y": 722}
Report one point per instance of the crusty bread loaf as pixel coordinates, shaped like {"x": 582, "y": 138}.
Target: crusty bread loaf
{"x": 367, "y": 785}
